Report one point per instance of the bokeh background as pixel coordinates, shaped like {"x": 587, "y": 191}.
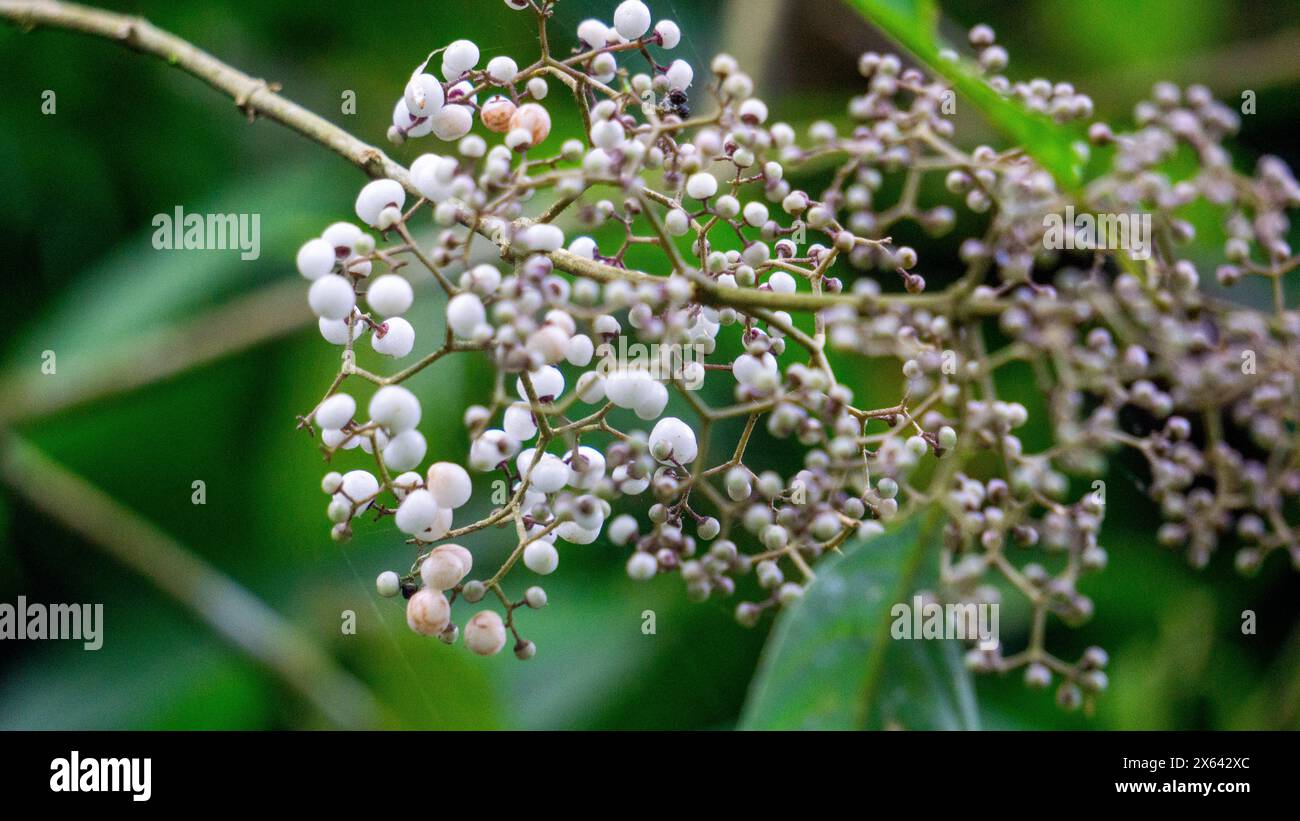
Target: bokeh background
{"x": 132, "y": 138}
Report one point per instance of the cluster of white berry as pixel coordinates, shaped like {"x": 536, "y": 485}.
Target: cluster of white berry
{"x": 742, "y": 251}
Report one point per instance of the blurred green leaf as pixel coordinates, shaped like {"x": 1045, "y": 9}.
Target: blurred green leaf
{"x": 913, "y": 25}
{"x": 138, "y": 289}
{"x": 155, "y": 671}
{"x": 831, "y": 663}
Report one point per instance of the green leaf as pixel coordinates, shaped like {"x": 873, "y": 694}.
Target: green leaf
{"x": 913, "y": 25}
{"x": 831, "y": 663}
{"x": 136, "y": 289}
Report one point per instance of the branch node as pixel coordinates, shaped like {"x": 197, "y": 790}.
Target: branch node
{"x": 243, "y": 100}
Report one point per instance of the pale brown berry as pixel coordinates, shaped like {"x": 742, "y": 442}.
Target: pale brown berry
{"x": 534, "y": 119}
{"x": 497, "y": 113}
{"x": 428, "y": 612}
{"x": 485, "y": 633}
{"x": 442, "y": 570}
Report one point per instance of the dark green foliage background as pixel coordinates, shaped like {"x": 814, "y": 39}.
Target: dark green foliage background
{"x": 133, "y": 138}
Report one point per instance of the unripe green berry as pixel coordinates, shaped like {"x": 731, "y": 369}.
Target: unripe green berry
{"x": 473, "y": 591}
{"x": 535, "y": 597}
{"x": 1094, "y": 681}
{"x": 775, "y": 537}
{"x": 1068, "y": 695}
{"x": 769, "y": 575}
{"x": 917, "y": 446}
{"x": 709, "y": 529}
{"x": 1037, "y": 675}
{"x": 738, "y": 485}
{"x": 724, "y": 551}
{"x": 747, "y": 614}
{"x": 388, "y": 584}
{"x": 789, "y": 593}
{"x": 947, "y": 437}
{"x": 887, "y": 488}
{"x": 1095, "y": 658}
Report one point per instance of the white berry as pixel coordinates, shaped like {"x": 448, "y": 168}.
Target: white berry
{"x": 465, "y": 313}
{"x": 458, "y": 58}
{"x": 701, "y": 186}
{"x": 390, "y": 295}
{"x": 395, "y": 408}
{"x": 642, "y": 566}
{"x": 632, "y": 19}
{"x": 542, "y": 237}
{"x": 423, "y": 96}
{"x": 417, "y": 512}
{"x": 315, "y": 258}
{"x": 405, "y": 451}
{"x": 449, "y": 483}
{"x": 376, "y": 196}
{"x": 338, "y": 331}
{"x": 673, "y": 440}
{"x": 331, "y": 297}
{"x": 451, "y": 122}
{"x": 547, "y": 382}
{"x": 397, "y": 341}
{"x": 669, "y": 33}
{"x": 541, "y": 557}
{"x": 680, "y": 74}
{"x": 359, "y": 488}
{"x": 502, "y": 69}
{"x": 336, "y": 411}
{"x": 518, "y": 421}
